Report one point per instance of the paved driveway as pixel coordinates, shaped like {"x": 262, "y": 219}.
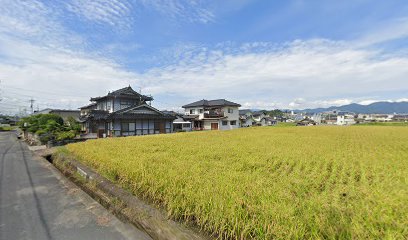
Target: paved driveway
{"x": 36, "y": 202}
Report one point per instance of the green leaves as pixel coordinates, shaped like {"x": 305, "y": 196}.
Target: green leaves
{"x": 50, "y": 127}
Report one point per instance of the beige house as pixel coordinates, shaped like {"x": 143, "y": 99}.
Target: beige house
{"x": 218, "y": 114}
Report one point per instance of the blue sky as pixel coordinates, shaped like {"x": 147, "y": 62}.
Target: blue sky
{"x": 261, "y": 54}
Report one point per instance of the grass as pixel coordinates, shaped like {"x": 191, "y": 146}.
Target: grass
{"x": 6, "y": 128}
{"x": 267, "y": 182}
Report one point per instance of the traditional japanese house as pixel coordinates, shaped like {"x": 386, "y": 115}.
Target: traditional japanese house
{"x": 124, "y": 112}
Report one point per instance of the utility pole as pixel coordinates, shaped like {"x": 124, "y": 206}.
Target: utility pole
{"x": 32, "y": 105}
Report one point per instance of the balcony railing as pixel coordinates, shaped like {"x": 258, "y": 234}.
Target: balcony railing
{"x": 213, "y": 114}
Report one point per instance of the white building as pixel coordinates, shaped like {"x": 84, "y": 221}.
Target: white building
{"x": 218, "y": 114}
{"x": 317, "y": 118}
{"x": 345, "y": 119}
{"x": 382, "y": 117}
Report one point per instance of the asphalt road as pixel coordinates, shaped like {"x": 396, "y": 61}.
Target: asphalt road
{"x": 36, "y": 202}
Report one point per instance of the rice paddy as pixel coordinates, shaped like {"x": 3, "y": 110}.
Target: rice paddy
{"x": 268, "y": 182}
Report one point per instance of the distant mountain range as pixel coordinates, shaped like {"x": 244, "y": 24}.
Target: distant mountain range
{"x": 377, "y": 107}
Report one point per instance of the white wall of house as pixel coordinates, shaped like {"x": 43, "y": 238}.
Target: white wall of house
{"x": 226, "y": 124}
{"x": 207, "y": 124}
{"x": 258, "y": 118}
{"x": 232, "y": 113}
{"x": 247, "y": 122}
{"x": 195, "y": 111}
{"x": 106, "y": 105}
{"x": 345, "y": 120}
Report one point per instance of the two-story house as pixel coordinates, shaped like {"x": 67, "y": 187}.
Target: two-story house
{"x": 218, "y": 114}
{"x": 124, "y": 112}
{"x": 246, "y": 119}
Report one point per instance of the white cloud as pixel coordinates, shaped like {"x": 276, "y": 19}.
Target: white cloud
{"x": 261, "y": 105}
{"x": 37, "y": 53}
{"x": 402, "y": 100}
{"x": 370, "y": 101}
{"x": 112, "y": 12}
{"x": 191, "y": 11}
{"x": 121, "y": 14}
{"x": 57, "y": 76}
{"x": 40, "y": 59}
{"x": 317, "y": 69}
{"x": 390, "y": 30}
{"x": 36, "y": 23}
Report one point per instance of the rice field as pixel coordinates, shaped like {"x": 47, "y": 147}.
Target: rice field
{"x": 268, "y": 182}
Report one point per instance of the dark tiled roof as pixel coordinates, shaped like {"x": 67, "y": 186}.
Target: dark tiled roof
{"x": 126, "y": 91}
{"x": 88, "y": 106}
{"x": 190, "y": 117}
{"x": 258, "y": 113}
{"x": 172, "y": 113}
{"x": 244, "y": 111}
{"x": 125, "y": 113}
{"x": 64, "y": 110}
{"x": 212, "y": 103}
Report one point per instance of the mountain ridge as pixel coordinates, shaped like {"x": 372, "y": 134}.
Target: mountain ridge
{"x": 376, "y": 107}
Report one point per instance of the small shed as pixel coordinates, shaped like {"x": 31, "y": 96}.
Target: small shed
{"x": 181, "y": 125}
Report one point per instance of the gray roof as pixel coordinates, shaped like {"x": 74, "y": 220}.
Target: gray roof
{"x": 244, "y": 111}
{"x": 212, "y": 103}
{"x": 258, "y": 113}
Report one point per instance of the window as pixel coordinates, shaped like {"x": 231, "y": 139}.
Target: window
{"x": 201, "y": 110}
{"x": 230, "y": 110}
{"x": 144, "y": 127}
{"x": 224, "y": 123}
{"x": 108, "y": 105}
{"x": 125, "y": 127}
{"x": 233, "y": 122}
{"x": 101, "y": 106}
{"x": 186, "y": 125}
{"x": 192, "y": 111}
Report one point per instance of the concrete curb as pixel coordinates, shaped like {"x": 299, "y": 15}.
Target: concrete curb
{"x": 122, "y": 203}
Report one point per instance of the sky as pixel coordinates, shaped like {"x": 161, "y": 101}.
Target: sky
{"x": 261, "y": 54}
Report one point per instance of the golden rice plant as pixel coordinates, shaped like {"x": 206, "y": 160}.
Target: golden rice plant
{"x": 268, "y": 182}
